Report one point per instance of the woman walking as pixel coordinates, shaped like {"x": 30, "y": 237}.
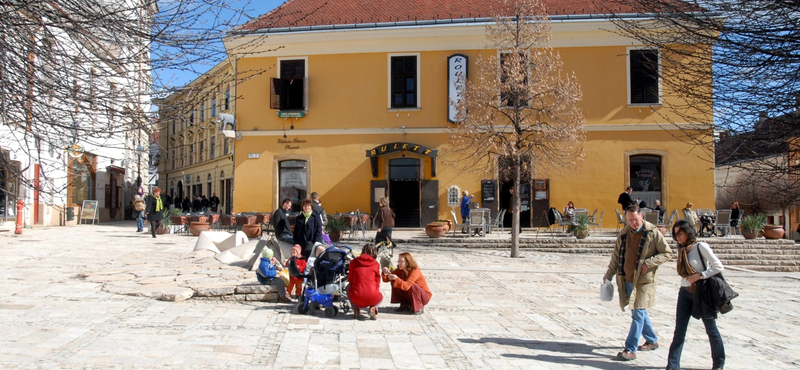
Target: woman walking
{"x": 155, "y": 210}
{"x": 465, "y": 199}
{"x": 139, "y": 206}
{"x": 696, "y": 261}
{"x": 385, "y": 221}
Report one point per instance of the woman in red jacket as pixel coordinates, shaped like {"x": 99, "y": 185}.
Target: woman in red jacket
{"x": 365, "y": 282}
{"x": 409, "y": 287}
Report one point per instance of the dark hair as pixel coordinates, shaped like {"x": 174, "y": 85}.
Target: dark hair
{"x": 370, "y": 250}
{"x": 306, "y": 201}
{"x": 642, "y": 204}
{"x": 629, "y": 188}
{"x": 286, "y": 200}
{"x": 633, "y": 208}
{"x": 686, "y": 227}
{"x": 315, "y": 195}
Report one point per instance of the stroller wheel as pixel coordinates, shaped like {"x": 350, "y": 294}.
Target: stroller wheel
{"x": 331, "y": 311}
{"x": 345, "y": 307}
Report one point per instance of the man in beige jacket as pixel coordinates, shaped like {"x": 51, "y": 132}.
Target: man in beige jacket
{"x": 640, "y": 248}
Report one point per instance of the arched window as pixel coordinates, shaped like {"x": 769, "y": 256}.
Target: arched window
{"x": 221, "y": 175}
{"x": 209, "y": 177}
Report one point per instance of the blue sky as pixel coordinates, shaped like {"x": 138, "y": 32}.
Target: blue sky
{"x": 186, "y": 68}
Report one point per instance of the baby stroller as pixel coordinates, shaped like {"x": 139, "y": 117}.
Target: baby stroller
{"x": 326, "y": 283}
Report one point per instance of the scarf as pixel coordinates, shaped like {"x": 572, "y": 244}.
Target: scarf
{"x": 623, "y": 246}
{"x": 307, "y": 215}
{"x": 159, "y": 205}
{"x": 684, "y": 268}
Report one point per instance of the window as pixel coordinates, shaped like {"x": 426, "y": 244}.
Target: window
{"x": 214, "y": 106}
{"x": 202, "y": 112}
{"x": 513, "y": 94}
{"x": 183, "y": 157}
{"x": 228, "y": 98}
{"x": 202, "y": 151}
{"x": 404, "y": 81}
{"x": 288, "y": 91}
{"x": 292, "y": 177}
{"x": 191, "y": 117}
{"x": 213, "y": 146}
{"x": 173, "y": 127}
{"x": 191, "y": 154}
{"x": 644, "y": 74}
{"x": 225, "y": 147}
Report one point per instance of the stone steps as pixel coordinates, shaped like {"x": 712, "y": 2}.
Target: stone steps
{"x": 759, "y": 254}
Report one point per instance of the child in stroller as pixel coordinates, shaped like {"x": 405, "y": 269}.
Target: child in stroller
{"x": 326, "y": 282}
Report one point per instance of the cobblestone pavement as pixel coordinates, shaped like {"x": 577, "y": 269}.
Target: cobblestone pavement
{"x": 488, "y": 311}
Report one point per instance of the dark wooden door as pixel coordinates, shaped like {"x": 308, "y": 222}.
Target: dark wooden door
{"x": 429, "y": 201}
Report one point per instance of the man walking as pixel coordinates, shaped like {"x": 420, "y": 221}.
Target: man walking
{"x": 214, "y": 201}
{"x": 625, "y": 199}
{"x": 639, "y": 250}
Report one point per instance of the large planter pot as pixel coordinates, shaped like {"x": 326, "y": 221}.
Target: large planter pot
{"x": 335, "y": 236}
{"x": 748, "y": 234}
{"x": 163, "y": 229}
{"x": 195, "y": 228}
{"x": 178, "y": 220}
{"x": 436, "y": 229}
{"x": 773, "y": 232}
{"x": 252, "y": 231}
{"x": 582, "y": 234}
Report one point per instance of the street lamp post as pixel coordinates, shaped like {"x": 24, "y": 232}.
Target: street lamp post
{"x": 139, "y": 152}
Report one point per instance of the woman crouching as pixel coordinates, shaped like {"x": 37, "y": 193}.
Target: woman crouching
{"x": 409, "y": 287}
{"x": 365, "y": 282}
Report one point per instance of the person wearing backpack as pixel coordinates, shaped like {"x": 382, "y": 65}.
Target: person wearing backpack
{"x": 139, "y": 207}
{"x": 267, "y": 274}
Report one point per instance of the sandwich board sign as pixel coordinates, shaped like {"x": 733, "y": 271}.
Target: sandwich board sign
{"x": 89, "y": 211}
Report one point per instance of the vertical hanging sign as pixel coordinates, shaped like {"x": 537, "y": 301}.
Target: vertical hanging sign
{"x": 456, "y": 84}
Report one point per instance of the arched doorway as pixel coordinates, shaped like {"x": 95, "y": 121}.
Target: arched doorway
{"x": 404, "y": 191}
{"x": 179, "y": 188}
{"x": 646, "y": 178}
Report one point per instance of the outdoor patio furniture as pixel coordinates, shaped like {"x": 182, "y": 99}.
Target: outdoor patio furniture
{"x": 456, "y": 224}
{"x": 651, "y": 217}
{"x": 599, "y": 222}
{"x": 594, "y": 214}
{"x": 227, "y": 221}
{"x": 722, "y": 222}
{"x": 497, "y": 222}
{"x": 620, "y": 220}
{"x": 561, "y": 222}
{"x": 671, "y": 221}
{"x": 477, "y": 221}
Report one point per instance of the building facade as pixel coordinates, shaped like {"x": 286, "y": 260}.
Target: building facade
{"x": 196, "y": 157}
{"x": 72, "y": 135}
{"x": 353, "y": 104}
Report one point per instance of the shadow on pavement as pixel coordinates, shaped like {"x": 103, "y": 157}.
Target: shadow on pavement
{"x": 583, "y": 361}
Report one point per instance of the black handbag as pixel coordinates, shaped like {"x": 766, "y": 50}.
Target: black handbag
{"x": 720, "y": 295}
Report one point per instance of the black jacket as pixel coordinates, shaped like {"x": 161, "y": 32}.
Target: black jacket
{"x": 186, "y": 205}
{"x": 196, "y": 205}
{"x": 280, "y": 223}
{"x": 712, "y": 295}
{"x": 150, "y": 210}
{"x": 204, "y": 202}
{"x": 306, "y": 234}
{"x": 625, "y": 200}
{"x": 214, "y": 201}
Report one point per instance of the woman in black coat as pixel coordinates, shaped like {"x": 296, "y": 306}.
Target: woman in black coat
{"x": 156, "y": 204}
{"x": 307, "y": 228}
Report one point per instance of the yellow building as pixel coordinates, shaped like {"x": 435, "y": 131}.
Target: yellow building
{"x": 196, "y": 157}
{"x": 362, "y": 108}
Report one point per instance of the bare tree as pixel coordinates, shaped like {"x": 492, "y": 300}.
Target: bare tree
{"x": 745, "y": 55}
{"x": 84, "y": 71}
{"x": 519, "y": 108}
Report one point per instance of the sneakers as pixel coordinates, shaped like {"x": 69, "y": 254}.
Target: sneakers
{"x": 626, "y": 355}
{"x": 648, "y": 346}
{"x": 373, "y": 313}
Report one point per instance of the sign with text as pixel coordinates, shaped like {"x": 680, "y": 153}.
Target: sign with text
{"x": 456, "y": 85}
{"x": 89, "y": 210}
{"x": 398, "y": 147}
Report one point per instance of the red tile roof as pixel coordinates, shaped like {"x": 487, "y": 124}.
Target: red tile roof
{"x": 304, "y": 13}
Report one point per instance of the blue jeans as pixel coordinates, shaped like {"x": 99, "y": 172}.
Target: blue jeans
{"x": 140, "y": 221}
{"x": 640, "y": 326}
{"x": 682, "y": 315}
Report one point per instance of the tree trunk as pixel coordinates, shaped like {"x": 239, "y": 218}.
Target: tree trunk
{"x": 517, "y": 209}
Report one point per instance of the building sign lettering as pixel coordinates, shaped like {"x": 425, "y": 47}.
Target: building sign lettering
{"x": 401, "y": 147}
{"x": 456, "y": 85}
{"x": 288, "y": 143}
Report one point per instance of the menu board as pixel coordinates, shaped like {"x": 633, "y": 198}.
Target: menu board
{"x": 89, "y": 210}
{"x": 488, "y": 191}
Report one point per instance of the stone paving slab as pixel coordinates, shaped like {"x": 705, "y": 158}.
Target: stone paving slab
{"x": 488, "y": 312}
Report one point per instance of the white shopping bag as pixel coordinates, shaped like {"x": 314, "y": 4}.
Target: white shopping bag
{"x": 606, "y": 291}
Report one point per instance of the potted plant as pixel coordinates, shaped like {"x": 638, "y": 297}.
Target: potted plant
{"x": 166, "y": 223}
{"x": 437, "y": 229}
{"x": 336, "y": 225}
{"x": 773, "y": 231}
{"x": 753, "y": 225}
{"x": 579, "y": 226}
